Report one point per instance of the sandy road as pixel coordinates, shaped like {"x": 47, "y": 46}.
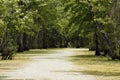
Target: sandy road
{"x": 49, "y": 67}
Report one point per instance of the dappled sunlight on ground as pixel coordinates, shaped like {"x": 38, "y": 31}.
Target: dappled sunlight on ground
{"x": 53, "y": 66}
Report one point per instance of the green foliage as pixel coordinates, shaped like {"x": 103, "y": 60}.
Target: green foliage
{"x": 88, "y": 14}
{"x": 51, "y": 23}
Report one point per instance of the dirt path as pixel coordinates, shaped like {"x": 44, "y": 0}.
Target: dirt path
{"x": 50, "y": 67}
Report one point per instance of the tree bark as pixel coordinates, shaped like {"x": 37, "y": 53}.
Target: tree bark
{"x": 25, "y": 42}
{"x": 20, "y": 42}
{"x": 43, "y": 39}
{"x": 97, "y": 51}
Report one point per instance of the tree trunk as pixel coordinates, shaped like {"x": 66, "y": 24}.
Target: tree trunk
{"x": 25, "y": 42}
{"x": 78, "y": 42}
{"x": 81, "y": 42}
{"x": 20, "y": 42}
{"x": 97, "y": 51}
{"x": 43, "y": 40}
{"x": 5, "y": 47}
{"x": 105, "y": 37}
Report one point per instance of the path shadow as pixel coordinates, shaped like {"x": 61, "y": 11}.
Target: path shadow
{"x": 96, "y": 73}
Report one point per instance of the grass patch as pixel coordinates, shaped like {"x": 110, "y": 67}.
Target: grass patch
{"x": 98, "y": 73}
{"x": 26, "y": 55}
{"x": 36, "y": 51}
{"x": 1, "y": 77}
{"x": 93, "y": 65}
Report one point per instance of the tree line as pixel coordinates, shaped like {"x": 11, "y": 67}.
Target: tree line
{"x": 31, "y": 24}
{"x": 99, "y": 21}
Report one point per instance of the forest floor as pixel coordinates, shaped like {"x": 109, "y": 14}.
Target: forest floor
{"x": 59, "y": 64}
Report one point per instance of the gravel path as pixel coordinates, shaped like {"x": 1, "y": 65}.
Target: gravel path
{"x": 50, "y": 67}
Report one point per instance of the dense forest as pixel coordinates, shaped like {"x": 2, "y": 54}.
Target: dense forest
{"x": 41, "y": 24}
